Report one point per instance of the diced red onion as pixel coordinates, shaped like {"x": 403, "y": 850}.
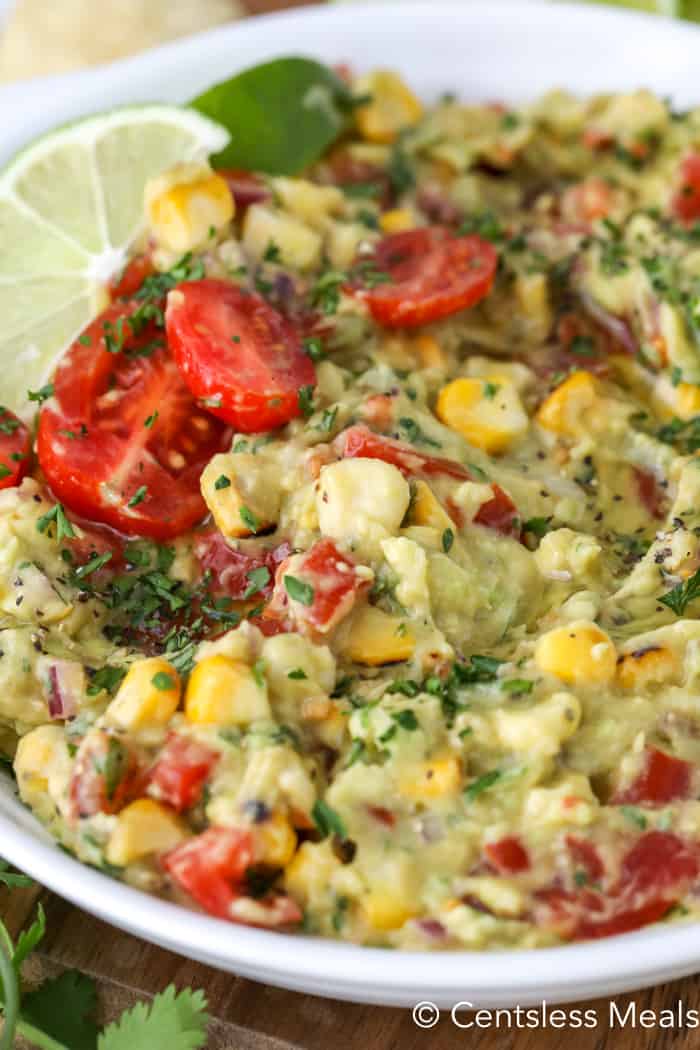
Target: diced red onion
{"x": 615, "y": 326}
{"x": 64, "y": 686}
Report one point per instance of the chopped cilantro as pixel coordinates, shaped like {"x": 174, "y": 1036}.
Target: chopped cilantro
{"x": 448, "y": 538}
{"x": 139, "y": 496}
{"x": 297, "y": 674}
{"x": 306, "y": 401}
{"x": 327, "y": 820}
{"x": 415, "y": 433}
{"x": 249, "y": 519}
{"x": 57, "y": 515}
{"x": 150, "y": 420}
{"x": 482, "y": 783}
{"x": 517, "y": 686}
{"x": 222, "y": 482}
{"x": 680, "y": 596}
{"x": 406, "y": 720}
{"x": 42, "y": 394}
{"x": 258, "y": 578}
{"x": 298, "y": 590}
{"x": 163, "y": 681}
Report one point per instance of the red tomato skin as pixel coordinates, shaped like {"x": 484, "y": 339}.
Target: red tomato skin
{"x": 685, "y": 204}
{"x": 95, "y": 449}
{"x": 336, "y": 588}
{"x": 132, "y": 277}
{"x": 650, "y": 492}
{"x": 499, "y": 514}
{"x": 88, "y": 788}
{"x": 663, "y": 779}
{"x": 229, "y": 568}
{"x": 586, "y": 857}
{"x": 181, "y": 771}
{"x": 253, "y": 383}
{"x": 211, "y": 867}
{"x": 15, "y": 449}
{"x": 433, "y": 275}
{"x": 360, "y": 442}
{"x": 508, "y": 855}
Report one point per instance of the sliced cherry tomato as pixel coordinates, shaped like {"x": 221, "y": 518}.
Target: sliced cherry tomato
{"x": 128, "y": 282}
{"x": 650, "y": 492}
{"x": 432, "y": 274}
{"x": 331, "y": 582}
{"x": 246, "y": 187}
{"x": 181, "y": 771}
{"x": 105, "y": 776}
{"x": 360, "y": 442}
{"x": 123, "y": 442}
{"x": 211, "y": 867}
{"x": 15, "y": 449}
{"x": 230, "y": 569}
{"x": 663, "y": 779}
{"x": 508, "y": 855}
{"x": 685, "y": 204}
{"x": 237, "y": 354}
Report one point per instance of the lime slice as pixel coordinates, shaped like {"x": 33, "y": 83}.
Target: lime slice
{"x": 71, "y": 203}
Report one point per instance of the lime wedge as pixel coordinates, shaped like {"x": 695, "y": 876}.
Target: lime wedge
{"x": 71, "y": 203}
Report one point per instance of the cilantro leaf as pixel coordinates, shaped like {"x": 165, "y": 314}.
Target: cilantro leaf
{"x": 63, "y": 1008}
{"x": 176, "y": 1021}
{"x": 481, "y": 784}
{"x": 680, "y": 596}
{"x": 29, "y": 938}
{"x": 13, "y": 878}
{"x": 299, "y": 591}
{"x": 327, "y": 820}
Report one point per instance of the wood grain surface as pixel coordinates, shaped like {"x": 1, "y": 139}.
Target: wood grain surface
{"x": 249, "y": 1016}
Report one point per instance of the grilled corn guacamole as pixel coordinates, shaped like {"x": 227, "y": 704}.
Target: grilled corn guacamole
{"x": 427, "y": 675}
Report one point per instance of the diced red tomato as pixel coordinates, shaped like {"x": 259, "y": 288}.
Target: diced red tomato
{"x": 211, "y": 867}
{"x": 585, "y": 857}
{"x": 238, "y": 355}
{"x": 685, "y": 204}
{"x": 382, "y": 815}
{"x": 499, "y": 514}
{"x": 650, "y": 492}
{"x": 181, "y": 771}
{"x": 128, "y": 282}
{"x": 246, "y": 187}
{"x": 105, "y": 776}
{"x": 508, "y": 855}
{"x": 230, "y": 568}
{"x": 432, "y": 274}
{"x": 663, "y": 779}
{"x": 360, "y": 442}
{"x": 334, "y": 587}
{"x": 122, "y": 442}
{"x": 15, "y": 449}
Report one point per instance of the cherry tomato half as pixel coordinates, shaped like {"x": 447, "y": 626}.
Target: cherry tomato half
{"x": 122, "y": 441}
{"x": 15, "y": 448}
{"x": 239, "y": 356}
{"x": 685, "y": 204}
{"x": 431, "y": 274}
{"x": 663, "y": 779}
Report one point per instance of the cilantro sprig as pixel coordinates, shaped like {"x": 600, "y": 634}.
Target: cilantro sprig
{"x": 680, "y": 596}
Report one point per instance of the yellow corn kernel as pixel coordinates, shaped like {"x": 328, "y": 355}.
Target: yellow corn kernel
{"x": 578, "y": 653}
{"x": 687, "y": 400}
{"x": 148, "y": 696}
{"x": 275, "y": 841}
{"x": 308, "y": 874}
{"x": 377, "y": 638}
{"x": 487, "y": 412}
{"x": 396, "y": 220}
{"x": 651, "y": 665}
{"x": 185, "y": 204}
{"x": 430, "y": 352}
{"x": 298, "y": 244}
{"x": 36, "y": 754}
{"x": 384, "y": 909}
{"x": 436, "y": 778}
{"x": 392, "y": 106}
{"x": 143, "y": 827}
{"x": 561, "y": 412}
{"x": 241, "y": 492}
{"x": 426, "y": 509}
{"x": 222, "y": 691}
{"x": 332, "y": 730}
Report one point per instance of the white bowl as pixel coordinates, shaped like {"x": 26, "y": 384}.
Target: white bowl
{"x": 484, "y": 51}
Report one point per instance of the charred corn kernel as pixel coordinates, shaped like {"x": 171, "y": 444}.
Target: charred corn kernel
{"x": 377, "y": 638}
{"x": 487, "y": 412}
{"x": 579, "y": 652}
{"x": 36, "y": 755}
{"x": 222, "y": 691}
{"x": 144, "y": 827}
{"x": 430, "y": 352}
{"x": 561, "y": 412}
{"x": 242, "y": 492}
{"x": 651, "y": 665}
{"x": 308, "y": 874}
{"x": 148, "y": 696}
{"x": 396, "y": 220}
{"x": 392, "y": 106}
{"x": 275, "y": 841}
{"x": 426, "y": 509}
{"x": 437, "y": 778}
{"x": 299, "y": 246}
{"x": 185, "y": 204}
{"x": 384, "y": 909}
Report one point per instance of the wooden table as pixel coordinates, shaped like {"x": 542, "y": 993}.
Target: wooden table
{"x": 249, "y": 1016}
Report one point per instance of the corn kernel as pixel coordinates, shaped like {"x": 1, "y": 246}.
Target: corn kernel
{"x": 383, "y": 909}
{"x": 36, "y": 754}
{"x": 687, "y": 400}
{"x": 648, "y": 666}
{"x": 222, "y": 691}
{"x": 392, "y": 106}
{"x": 396, "y": 220}
{"x": 143, "y": 827}
{"x": 242, "y": 492}
{"x": 185, "y": 204}
{"x": 377, "y": 638}
{"x": 562, "y": 411}
{"x": 487, "y": 412}
{"x": 308, "y": 874}
{"x": 430, "y": 352}
{"x": 299, "y": 246}
{"x": 275, "y": 841}
{"x": 148, "y": 696}
{"x": 578, "y": 653}
{"x": 426, "y": 509}
{"x": 436, "y": 778}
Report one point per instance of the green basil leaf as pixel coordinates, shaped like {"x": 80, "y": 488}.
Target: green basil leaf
{"x": 282, "y": 115}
